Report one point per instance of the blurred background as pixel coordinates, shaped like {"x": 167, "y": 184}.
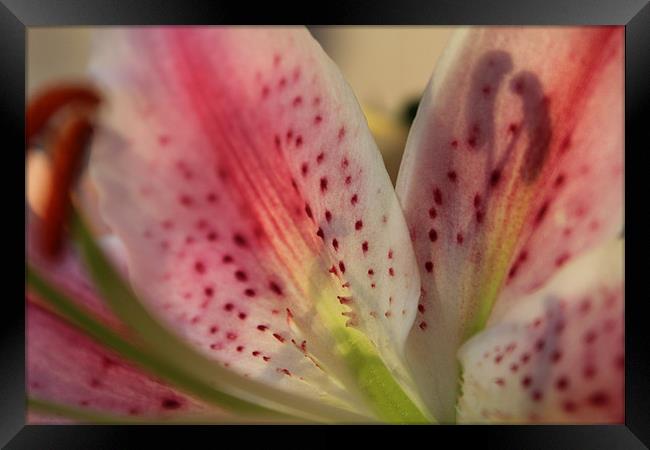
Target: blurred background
{"x": 387, "y": 67}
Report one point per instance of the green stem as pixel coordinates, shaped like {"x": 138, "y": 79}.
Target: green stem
{"x": 370, "y": 374}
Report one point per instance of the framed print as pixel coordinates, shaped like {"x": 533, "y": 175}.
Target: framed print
{"x": 417, "y": 216}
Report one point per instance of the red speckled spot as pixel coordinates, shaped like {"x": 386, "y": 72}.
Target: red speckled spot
{"x": 437, "y": 196}
{"x": 598, "y": 399}
{"x": 240, "y": 240}
{"x": 560, "y": 260}
{"x": 275, "y": 288}
{"x": 199, "y": 267}
{"x": 495, "y": 177}
{"x": 562, "y": 383}
{"x": 541, "y": 213}
{"x": 240, "y": 275}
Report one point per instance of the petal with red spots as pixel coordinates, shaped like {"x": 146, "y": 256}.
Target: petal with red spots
{"x": 66, "y": 367}
{"x": 238, "y": 170}
{"x": 556, "y": 356}
{"x": 513, "y": 166}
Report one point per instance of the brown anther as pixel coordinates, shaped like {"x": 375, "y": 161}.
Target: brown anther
{"x": 68, "y": 150}
{"x": 45, "y": 104}
{"x": 66, "y": 110}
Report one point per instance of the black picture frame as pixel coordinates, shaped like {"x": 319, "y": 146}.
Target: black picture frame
{"x": 17, "y": 15}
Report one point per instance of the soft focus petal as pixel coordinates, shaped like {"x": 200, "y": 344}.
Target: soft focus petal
{"x": 67, "y": 367}
{"x": 68, "y": 274}
{"x": 558, "y": 355}
{"x": 512, "y": 167}
{"x": 240, "y": 174}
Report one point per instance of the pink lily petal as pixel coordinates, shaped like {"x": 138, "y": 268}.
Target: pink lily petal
{"x": 242, "y": 178}
{"x": 556, "y": 356}
{"x": 513, "y": 167}
{"x": 67, "y": 367}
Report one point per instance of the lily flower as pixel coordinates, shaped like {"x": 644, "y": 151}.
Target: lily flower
{"x": 275, "y": 273}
